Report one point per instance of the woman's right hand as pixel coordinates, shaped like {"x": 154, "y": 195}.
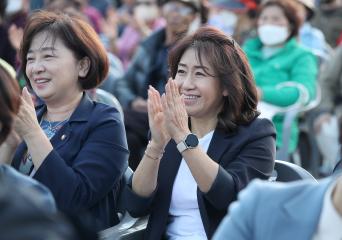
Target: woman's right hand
{"x": 156, "y": 118}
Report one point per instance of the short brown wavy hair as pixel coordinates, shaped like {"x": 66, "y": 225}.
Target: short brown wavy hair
{"x": 230, "y": 67}
{"x": 9, "y": 102}
{"x": 76, "y": 34}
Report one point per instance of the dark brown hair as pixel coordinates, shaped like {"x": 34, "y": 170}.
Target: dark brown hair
{"x": 9, "y": 102}
{"x": 230, "y": 67}
{"x": 76, "y": 34}
{"x": 290, "y": 10}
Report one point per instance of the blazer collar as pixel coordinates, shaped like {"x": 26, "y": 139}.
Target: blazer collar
{"x": 79, "y": 115}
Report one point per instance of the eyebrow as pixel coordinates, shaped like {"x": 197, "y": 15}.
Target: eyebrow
{"x": 42, "y": 49}
{"x": 198, "y": 66}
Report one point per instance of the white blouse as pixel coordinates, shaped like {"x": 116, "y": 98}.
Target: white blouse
{"x": 185, "y": 221}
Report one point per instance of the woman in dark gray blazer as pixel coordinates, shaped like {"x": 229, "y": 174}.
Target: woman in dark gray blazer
{"x": 207, "y": 142}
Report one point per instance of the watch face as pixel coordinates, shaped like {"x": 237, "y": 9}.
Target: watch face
{"x": 191, "y": 140}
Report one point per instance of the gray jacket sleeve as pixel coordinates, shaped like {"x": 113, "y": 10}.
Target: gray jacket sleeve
{"x": 30, "y": 188}
{"x": 330, "y": 80}
{"x": 128, "y": 87}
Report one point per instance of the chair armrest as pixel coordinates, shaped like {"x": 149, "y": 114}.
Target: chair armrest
{"x": 128, "y": 228}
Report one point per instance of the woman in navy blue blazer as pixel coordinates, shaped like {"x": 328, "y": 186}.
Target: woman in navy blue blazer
{"x": 207, "y": 142}
{"x": 74, "y": 146}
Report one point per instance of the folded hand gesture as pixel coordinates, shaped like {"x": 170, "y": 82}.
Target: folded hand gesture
{"x": 176, "y": 117}
{"x": 156, "y": 118}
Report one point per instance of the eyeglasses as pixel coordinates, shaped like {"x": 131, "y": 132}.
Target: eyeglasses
{"x": 177, "y": 7}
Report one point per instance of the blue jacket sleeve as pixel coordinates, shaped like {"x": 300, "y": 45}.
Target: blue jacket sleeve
{"x": 77, "y": 184}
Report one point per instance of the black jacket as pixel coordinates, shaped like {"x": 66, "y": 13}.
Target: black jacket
{"x": 148, "y": 66}
{"x": 247, "y": 154}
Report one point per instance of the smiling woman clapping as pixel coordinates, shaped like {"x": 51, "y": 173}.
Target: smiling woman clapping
{"x": 207, "y": 141}
{"x": 74, "y": 146}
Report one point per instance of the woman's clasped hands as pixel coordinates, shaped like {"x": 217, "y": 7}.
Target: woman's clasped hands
{"x": 167, "y": 114}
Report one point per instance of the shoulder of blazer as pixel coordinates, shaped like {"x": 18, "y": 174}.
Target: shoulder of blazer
{"x": 91, "y": 111}
{"x": 258, "y": 128}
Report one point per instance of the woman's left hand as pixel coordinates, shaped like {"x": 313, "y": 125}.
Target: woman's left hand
{"x": 176, "y": 117}
{"x": 26, "y": 121}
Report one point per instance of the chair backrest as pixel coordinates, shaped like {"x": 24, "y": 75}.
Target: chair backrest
{"x": 287, "y": 172}
{"x": 121, "y": 204}
{"x": 105, "y": 97}
{"x": 290, "y": 113}
{"x": 128, "y": 227}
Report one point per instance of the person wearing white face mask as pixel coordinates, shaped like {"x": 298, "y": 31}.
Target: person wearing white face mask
{"x": 277, "y": 58}
{"x": 273, "y": 35}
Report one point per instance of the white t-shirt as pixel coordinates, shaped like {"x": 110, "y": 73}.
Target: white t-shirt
{"x": 185, "y": 221}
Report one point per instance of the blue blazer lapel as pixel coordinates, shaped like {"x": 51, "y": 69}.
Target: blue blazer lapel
{"x": 79, "y": 115}
{"x": 169, "y": 165}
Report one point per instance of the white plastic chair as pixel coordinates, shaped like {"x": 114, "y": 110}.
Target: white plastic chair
{"x": 290, "y": 113}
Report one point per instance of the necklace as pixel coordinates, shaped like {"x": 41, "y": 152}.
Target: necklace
{"x": 50, "y": 128}
{"x": 55, "y": 126}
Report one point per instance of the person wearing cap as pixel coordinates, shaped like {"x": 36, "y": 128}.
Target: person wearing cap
{"x": 149, "y": 67}
{"x": 310, "y": 36}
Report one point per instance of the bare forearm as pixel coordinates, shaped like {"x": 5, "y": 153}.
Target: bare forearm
{"x": 38, "y": 146}
{"x": 202, "y": 167}
{"x": 145, "y": 177}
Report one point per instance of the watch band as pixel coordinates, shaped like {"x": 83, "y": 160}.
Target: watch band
{"x": 190, "y": 141}
{"x": 181, "y": 146}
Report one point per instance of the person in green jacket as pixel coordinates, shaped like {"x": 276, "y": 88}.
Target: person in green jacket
{"x": 284, "y": 71}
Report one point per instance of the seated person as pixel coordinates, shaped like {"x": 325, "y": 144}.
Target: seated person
{"x": 207, "y": 142}
{"x": 9, "y": 105}
{"x": 149, "y": 67}
{"x": 72, "y": 145}
{"x": 284, "y": 71}
{"x": 299, "y": 210}
{"x": 25, "y": 204}
{"x": 330, "y": 110}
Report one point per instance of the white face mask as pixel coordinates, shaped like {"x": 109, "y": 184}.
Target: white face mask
{"x": 146, "y": 13}
{"x": 272, "y": 34}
